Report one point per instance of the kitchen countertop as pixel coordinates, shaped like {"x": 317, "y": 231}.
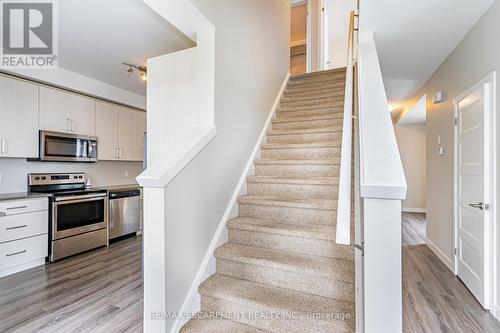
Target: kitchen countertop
{"x": 22, "y": 195}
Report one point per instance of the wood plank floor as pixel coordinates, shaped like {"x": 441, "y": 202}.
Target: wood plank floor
{"x": 434, "y": 300}
{"x": 98, "y": 291}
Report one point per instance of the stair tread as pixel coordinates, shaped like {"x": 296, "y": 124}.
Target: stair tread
{"x": 313, "y": 130}
{"x": 300, "y": 145}
{"x": 277, "y": 161}
{"x": 333, "y": 105}
{"x": 207, "y": 323}
{"x": 332, "y": 116}
{"x": 319, "y": 73}
{"x": 268, "y": 298}
{"x": 317, "y": 231}
{"x": 323, "y": 204}
{"x": 335, "y": 269}
{"x": 294, "y": 180}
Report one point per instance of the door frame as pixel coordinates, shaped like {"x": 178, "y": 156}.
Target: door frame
{"x": 491, "y": 272}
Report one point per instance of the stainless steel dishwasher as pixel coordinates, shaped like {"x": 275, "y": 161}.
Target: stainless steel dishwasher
{"x": 125, "y": 212}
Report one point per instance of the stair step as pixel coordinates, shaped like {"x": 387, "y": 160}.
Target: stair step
{"x": 311, "y": 187}
{"x": 316, "y": 240}
{"x": 282, "y": 118}
{"x": 311, "y": 101}
{"x": 205, "y": 322}
{"x": 297, "y": 167}
{"x": 317, "y": 93}
{"x": 324, "y": 80}
{"x": 303, "y": 211}
{"x": 287, "y": 310}
{"x": 314, "y": 275}
{"x": 308, "y": 150}
{"x": 340, "y": 70}
{"x": 304, "y": 135}
{"x": 326, "y": 105}
{"x": 315, "y": 87}
{"x": 309, "y": 112}
{"x": 320, "y": 123}
{"x": 336, "y": 94}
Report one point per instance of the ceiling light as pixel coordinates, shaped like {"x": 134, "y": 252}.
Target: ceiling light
{"x": 141, "y": 69}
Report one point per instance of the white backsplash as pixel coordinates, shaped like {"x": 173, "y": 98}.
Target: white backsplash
{"x": 13, "y": 172}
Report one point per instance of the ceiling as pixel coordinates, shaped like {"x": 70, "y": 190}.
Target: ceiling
{"x": 338, "y": 18}
{"x": 96, "y": 36}
{"x": 414, "y": 37}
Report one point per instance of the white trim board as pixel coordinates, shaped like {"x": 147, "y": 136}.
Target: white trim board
{"x": 440, "y": 254}
{"x": 496, "y": 312}
{"x": 413, "y": 210}
{"x": 191, "y": 303}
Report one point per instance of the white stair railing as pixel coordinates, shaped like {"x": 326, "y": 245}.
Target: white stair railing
{"x": 343, "y": 234}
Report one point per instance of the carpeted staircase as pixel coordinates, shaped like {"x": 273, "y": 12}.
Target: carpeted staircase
{"x": 281, "y": 270}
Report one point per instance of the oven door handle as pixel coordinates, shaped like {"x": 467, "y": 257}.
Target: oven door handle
{"x": 81, "y": 197}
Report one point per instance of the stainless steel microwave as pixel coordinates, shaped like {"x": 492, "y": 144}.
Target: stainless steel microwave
{"x": 62, "y": 147}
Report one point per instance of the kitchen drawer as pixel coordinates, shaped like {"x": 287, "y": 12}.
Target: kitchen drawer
{"x": 13, "y": 227}
{"x": 23, "y": 206}
{"x": 21, "y": 252}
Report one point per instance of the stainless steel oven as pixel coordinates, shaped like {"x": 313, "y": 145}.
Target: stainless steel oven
{"x": 55, "y": 146}
{"x": 78, "y": 215}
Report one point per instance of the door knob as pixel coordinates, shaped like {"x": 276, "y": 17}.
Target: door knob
{"x": 478, "y": 205}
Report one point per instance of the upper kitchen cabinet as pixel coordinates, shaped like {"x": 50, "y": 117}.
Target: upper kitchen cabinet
{"x": 141, "y": 132}
{"x": 117, "y": 129}
{"x": 106, "y": 130}
{"x": 18, "y": 118}
{"x": 66, "y": 112}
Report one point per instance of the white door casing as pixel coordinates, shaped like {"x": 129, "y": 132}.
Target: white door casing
{"x": 473, "y": 190}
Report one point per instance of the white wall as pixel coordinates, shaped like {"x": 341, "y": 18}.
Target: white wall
{"x": 412, "y": 147}
{"x": 252, "y": 60}
{"x": 14, "y": 171}
{"x": 338, "y": 54}
{"x": 475, "y": 57}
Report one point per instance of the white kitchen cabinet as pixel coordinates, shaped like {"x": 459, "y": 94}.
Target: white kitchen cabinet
{"x": 24, "y": 240}
{"x": 18, "y": 118}
{"x": 62, "y": 111}
{"x": 127, "y": 134}
{"x": 117, "y": 129}
{"x": 141, "y": 130}
{"x": 106, "y": 130}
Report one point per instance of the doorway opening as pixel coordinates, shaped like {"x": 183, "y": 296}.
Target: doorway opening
{"x": 298, "y": 38}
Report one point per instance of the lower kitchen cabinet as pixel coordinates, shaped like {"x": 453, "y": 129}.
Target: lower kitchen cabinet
{"x": 24, "y": 227}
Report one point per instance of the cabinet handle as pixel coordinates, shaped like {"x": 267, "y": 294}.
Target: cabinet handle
{"x": 116, "y": 152}
{"x": 68, "y": 125}
{"x": 14, "y": 208}
{"x": 72, "y": 123}
{"x": 2, "y": 148}
{"x": 18, "y": 227}
{"x": 15, "y": 253}
{"x": 120, "y": 153}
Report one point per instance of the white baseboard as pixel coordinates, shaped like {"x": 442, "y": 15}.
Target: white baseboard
{"x": 192, "y": 301}
{"x": 443, "y": 257}
{"x": 413, "y": 210}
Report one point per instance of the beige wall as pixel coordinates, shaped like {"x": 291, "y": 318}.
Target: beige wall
{"x": 474, "y": 58}
{"x": 252, "y": 60}
{"x": 298, "y": 23}
{"x": 412, "y": 147}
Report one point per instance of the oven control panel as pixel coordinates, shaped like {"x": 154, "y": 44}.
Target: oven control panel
{"x": 53, "y": 179}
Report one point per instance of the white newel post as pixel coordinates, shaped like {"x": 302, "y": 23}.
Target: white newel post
{"x": 154, "y": 260}
{"x": 382, "y": 269}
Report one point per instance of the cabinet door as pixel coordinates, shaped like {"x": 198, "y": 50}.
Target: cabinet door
{"x": 54, "y": 111}
{"x": 127, "y": 134}
{"x": 82, "y": 114}
{"x": 62, "y": 111}
{"x": 18, "y": 118}
{"x": 141, "y": 130}
{"x": 106, "y": 130}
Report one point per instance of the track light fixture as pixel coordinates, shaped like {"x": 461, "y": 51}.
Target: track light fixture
{"x": 143, "y": 71}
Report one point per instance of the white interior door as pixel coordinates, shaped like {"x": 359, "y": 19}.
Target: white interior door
{"x": 472, "y": 188}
